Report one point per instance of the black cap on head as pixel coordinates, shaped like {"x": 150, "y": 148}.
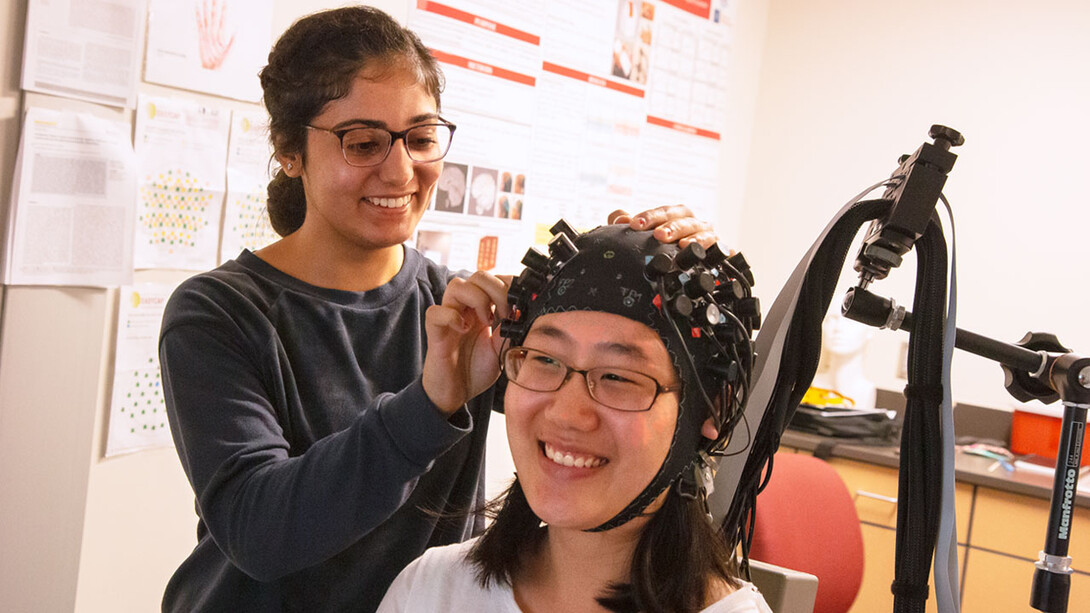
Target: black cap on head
{"x": 613, "y": 269}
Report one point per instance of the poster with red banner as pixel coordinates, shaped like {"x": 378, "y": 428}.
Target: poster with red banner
{"x": 571, "y": 109}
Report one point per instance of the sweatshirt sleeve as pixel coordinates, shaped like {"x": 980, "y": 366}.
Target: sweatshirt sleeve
{"x": 272, "y": 511}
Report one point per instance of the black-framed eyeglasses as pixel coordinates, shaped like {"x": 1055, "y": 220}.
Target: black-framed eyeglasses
{"x": 370, "y": 146}
{"x": 617, "y": 388}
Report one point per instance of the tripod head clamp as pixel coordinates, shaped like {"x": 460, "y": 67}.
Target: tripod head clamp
{"x": 922, "y": 176}
{"x": 1026, "y": 386}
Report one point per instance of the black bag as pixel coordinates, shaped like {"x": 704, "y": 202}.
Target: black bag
{"x": 864, "y": 427}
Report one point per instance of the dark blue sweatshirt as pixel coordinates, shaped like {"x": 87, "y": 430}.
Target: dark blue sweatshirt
{"x": 320, "y": 467}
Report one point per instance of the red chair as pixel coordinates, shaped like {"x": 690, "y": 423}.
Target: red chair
{"x": 806, "y": 521}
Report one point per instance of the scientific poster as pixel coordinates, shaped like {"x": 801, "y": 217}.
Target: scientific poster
{"x": 687, "y": 79}
{"x": 586, "y": 147}
{"x": 489, "y": 52}
{"x": 490, "y": 55}
{"x": 677, "y": 163}
{"x": 213, "y": 46}
{"x": 72, "y": 202}
{"x": 630, "y": 107}
{"x": 84, "y": 50}
{"x": 245, "y": 218}
{"x": 480, "y": 199}
{"x": 138, "y": 418}
{"x": 182, "y": 151}
{"x": 680, "y": 142}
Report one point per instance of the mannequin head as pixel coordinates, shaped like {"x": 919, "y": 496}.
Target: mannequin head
{"x": 842, "y": 337}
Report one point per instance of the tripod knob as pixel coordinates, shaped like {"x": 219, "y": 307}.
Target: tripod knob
{"x": 1022, "y": 385}
{"x": 946, "y": 137}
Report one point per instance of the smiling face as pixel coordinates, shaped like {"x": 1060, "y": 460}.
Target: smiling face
{"x": 580, "y": 463}
{"x": 376, "y": 207}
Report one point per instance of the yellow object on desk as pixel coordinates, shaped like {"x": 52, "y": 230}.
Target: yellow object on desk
{"x": 822, "y": 398}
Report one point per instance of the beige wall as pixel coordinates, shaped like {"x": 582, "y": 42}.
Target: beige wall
{"x": 849, "y": 85}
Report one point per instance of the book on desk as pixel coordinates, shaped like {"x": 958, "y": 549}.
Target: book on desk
{"x": 1042, "y": 465}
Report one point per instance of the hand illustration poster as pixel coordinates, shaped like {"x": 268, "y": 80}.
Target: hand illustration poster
{"x": 213, "y": 46}
{"x": 182, "y": 151}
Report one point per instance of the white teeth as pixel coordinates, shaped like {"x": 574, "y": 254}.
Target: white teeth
{"x": 567, "y": 459}
{"x": 391, "y": 203}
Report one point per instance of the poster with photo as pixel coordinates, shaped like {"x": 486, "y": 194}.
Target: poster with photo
{"x": 482, "y": 192}
{"x": 631, "y": 58}
{"x": 450, "y": 191}
{"x": 489, "y": 52}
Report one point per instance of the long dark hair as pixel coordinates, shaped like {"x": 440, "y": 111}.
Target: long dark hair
{"x": 679, "y": 551}
{"x": 313, "y": 63}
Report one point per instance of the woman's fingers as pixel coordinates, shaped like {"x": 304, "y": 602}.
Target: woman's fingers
{"x": 619, "y": 216}
{"x": 461, "y": 360}
{"x": 672, "y": 223}
{"x": 482, "y": 293}
{"x": 658, "y": 216}
{"x": 686, "y": 231}
{"x": 445, "y": 321}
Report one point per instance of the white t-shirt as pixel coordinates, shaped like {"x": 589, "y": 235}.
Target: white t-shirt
{"x": 443, "y": 580}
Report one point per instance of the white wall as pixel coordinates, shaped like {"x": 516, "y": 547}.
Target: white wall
{"x": 849, "y": 85}
{"x": 820, "y": 108}
{"x": 745, "y": 76}
{"x": 82, "y": 533}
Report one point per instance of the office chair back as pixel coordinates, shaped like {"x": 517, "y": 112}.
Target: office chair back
{"x": 806, "y": 521}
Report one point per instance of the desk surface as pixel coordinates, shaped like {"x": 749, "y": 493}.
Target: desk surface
{"x": 971, "y": 469}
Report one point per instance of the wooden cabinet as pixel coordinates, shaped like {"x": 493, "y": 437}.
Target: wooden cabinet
{"x": 879, "y": 551}
{"x": 999, "y": 535}
{"x": 997, "y": 582}
{"x": 878, "y": 554}
{"x": 875, "y": 491}
{"x": 1015, "y": 524}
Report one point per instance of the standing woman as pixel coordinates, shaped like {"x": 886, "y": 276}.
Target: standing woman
{"x": 320, "y": 457}
{"x": 623, "y": 378}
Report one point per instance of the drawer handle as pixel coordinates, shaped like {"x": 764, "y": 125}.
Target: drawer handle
{"x": 865, "y": 494}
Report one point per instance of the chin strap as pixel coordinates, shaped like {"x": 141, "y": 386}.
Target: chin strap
{"x": 697, "y": 482}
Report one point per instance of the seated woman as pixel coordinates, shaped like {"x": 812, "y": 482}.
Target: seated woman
{"x": 626, "y": 372}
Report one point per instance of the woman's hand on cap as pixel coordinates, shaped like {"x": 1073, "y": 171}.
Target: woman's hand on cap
{"x": 671, "y": 223}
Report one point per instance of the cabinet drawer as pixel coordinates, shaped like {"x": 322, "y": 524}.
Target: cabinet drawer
{"x": 1015, "y": 524}
{"x": 875, "y": 488}
{"x": 995, "y": 582}
{"x": 880, "y": 548}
